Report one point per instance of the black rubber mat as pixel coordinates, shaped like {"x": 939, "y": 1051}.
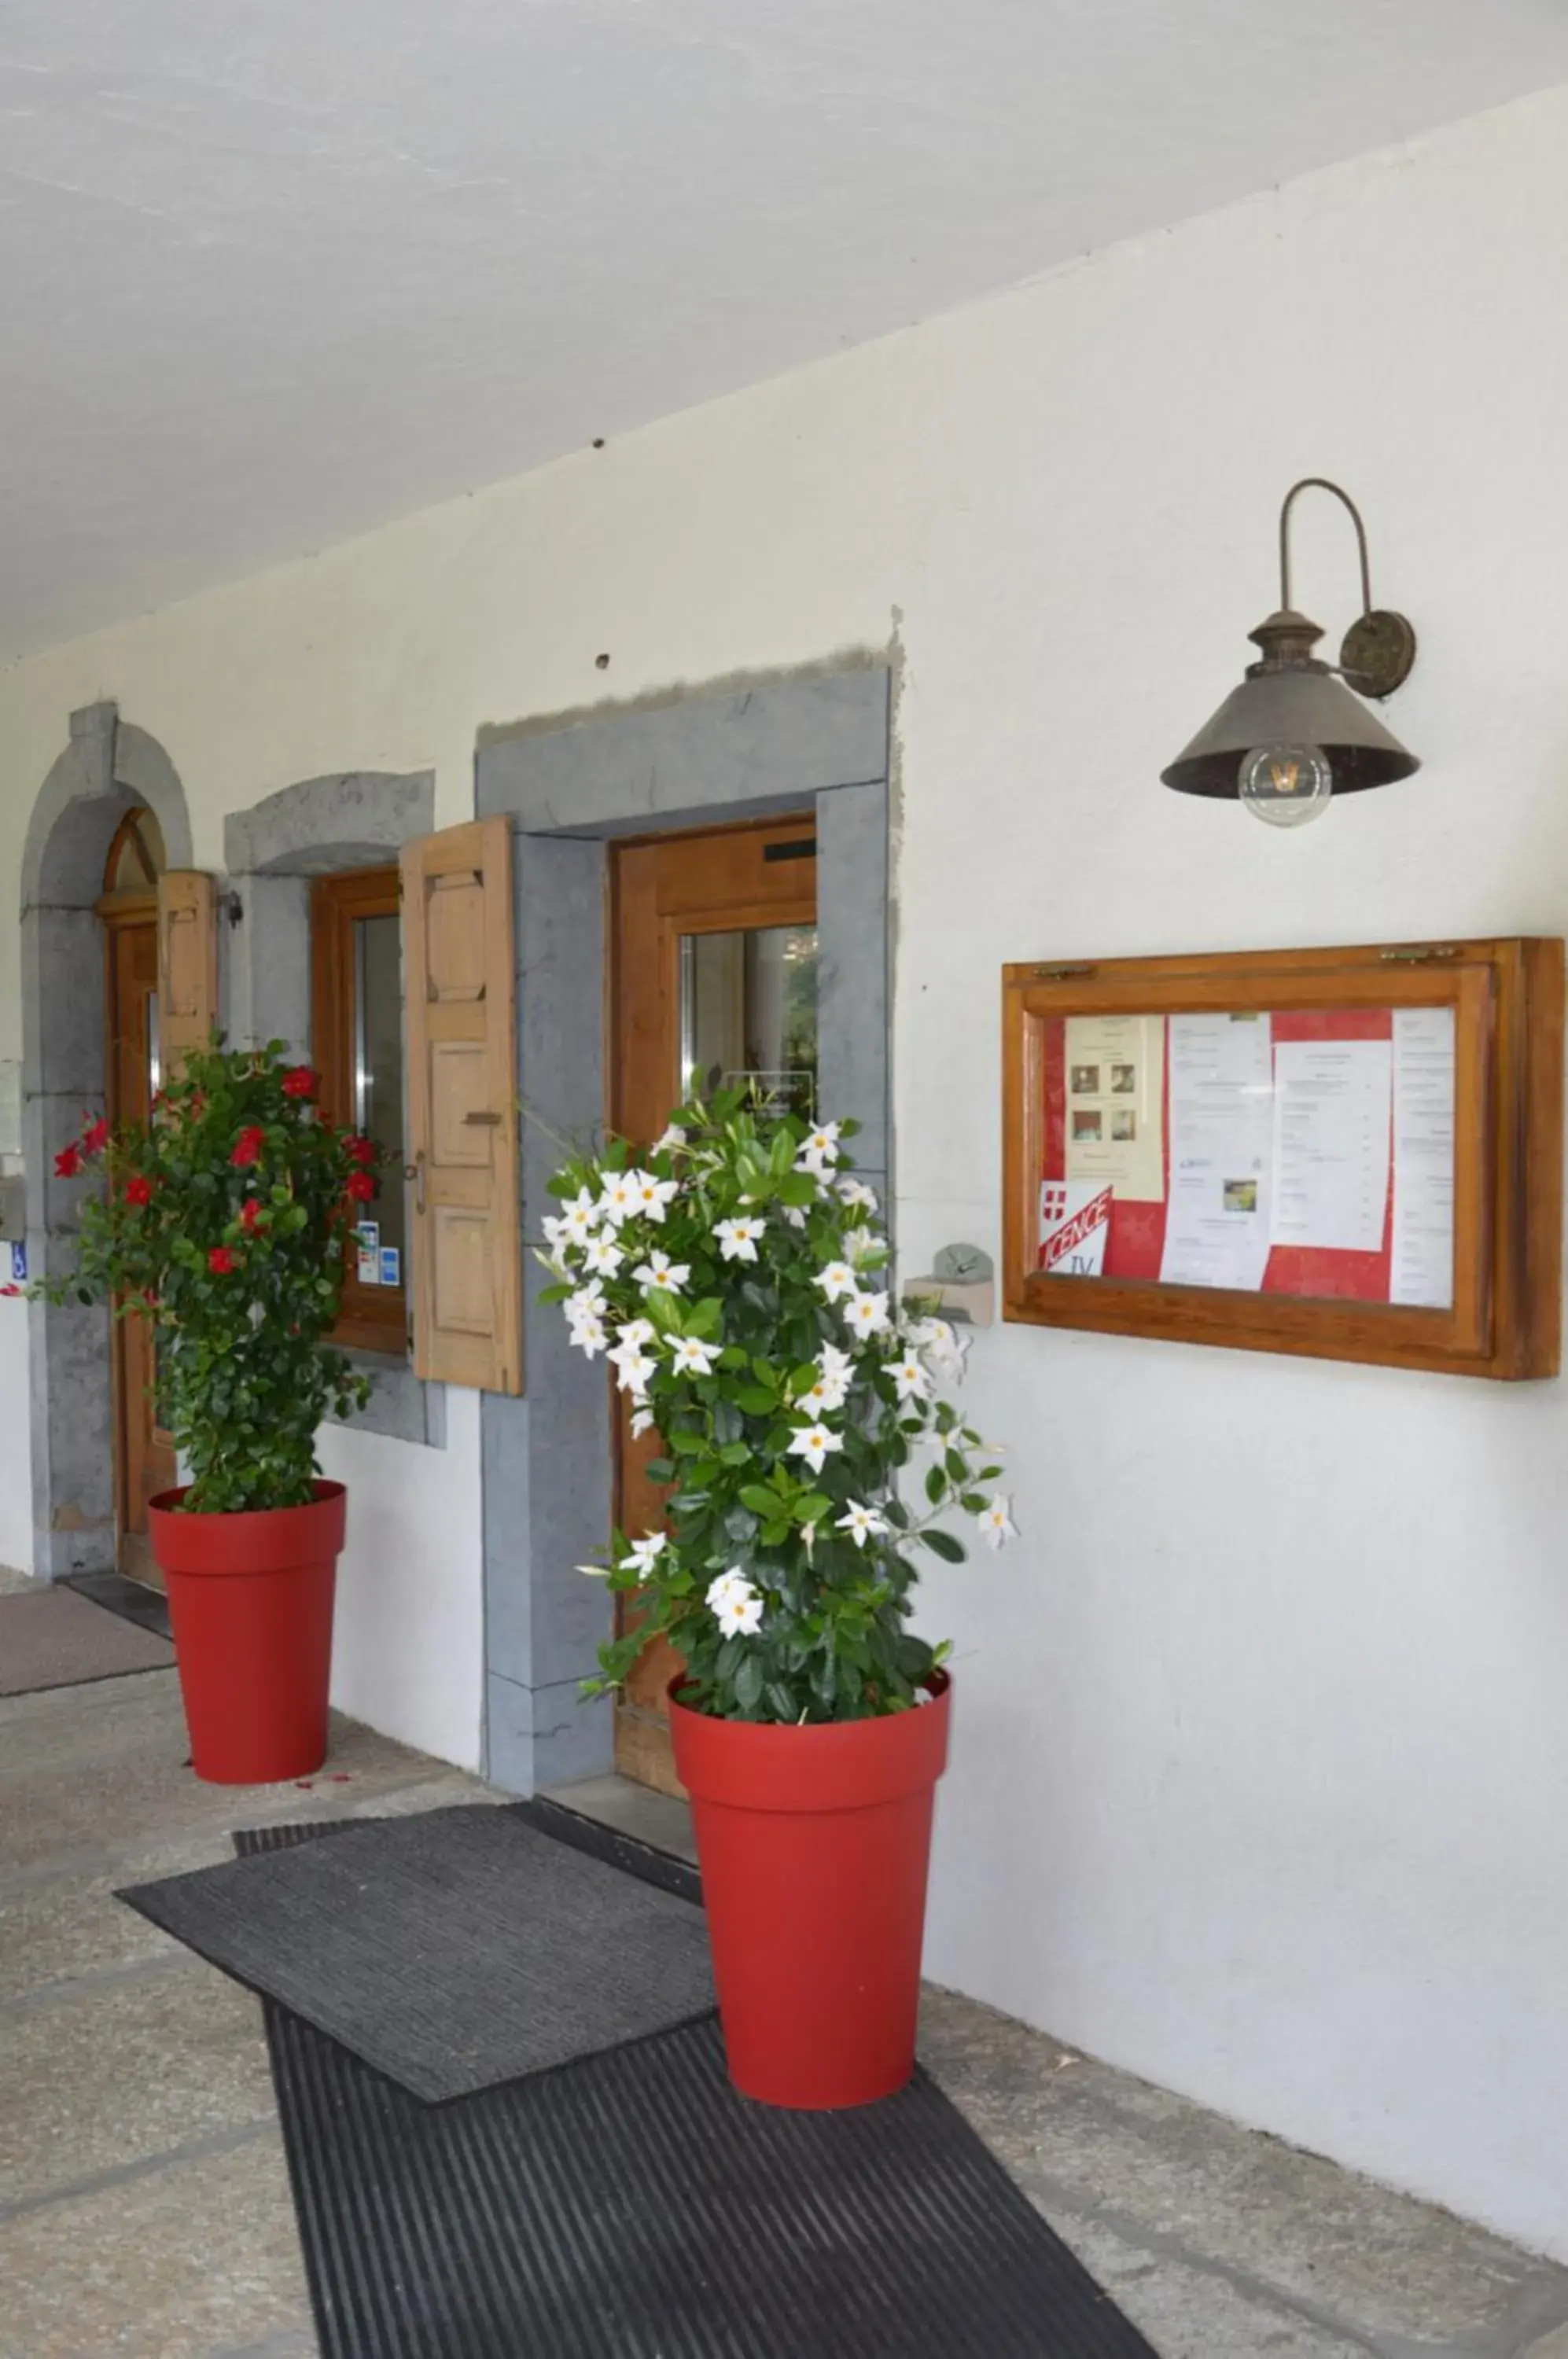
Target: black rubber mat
{"x": 631, "y": 2206}
{"x": 452, "y": 1950}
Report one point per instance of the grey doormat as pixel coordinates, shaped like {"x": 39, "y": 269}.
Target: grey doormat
{"x": 451, "y": 1950}
{"x": 53, "y": 1638}
{"x": 634, "y": 2207}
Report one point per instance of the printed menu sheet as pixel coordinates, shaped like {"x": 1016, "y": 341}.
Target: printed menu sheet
{"x": 1116, "y": 1072}
{"x": 1216, "y": 1227}
{"x": 1422, "y": 1272}
{"x": 1331, "y": 1143}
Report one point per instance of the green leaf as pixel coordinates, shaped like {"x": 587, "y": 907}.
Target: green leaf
{"x": 737, "y": 1453}
{"x": 748, "y": 1683}
{"x": 685, "y": 1444}
{"x": 661, "y": 1469}
{"x": 936, "y": 1484}
{"x": 755, "y": 1402}
{"x": 812, "y": 1507}
{"x": 943, "y": 1544}
{"x": 761, "y": 1501}
{"x": 781, "y": 1703}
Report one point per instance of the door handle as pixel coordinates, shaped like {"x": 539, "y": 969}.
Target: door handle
{"x": 493, "y": 1119}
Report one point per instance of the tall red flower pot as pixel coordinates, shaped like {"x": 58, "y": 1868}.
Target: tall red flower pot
{"x": 814, "y": 1843}
{"x": 250, "y": 1599}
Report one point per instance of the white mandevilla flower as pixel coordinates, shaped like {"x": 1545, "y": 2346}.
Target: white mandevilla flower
{"x": 857, "y": 1192}
{"x": 579, "y": 1218}
{"x": 938, "y": 1344}
{"x": 739, "y": 1611}
{"x": 837, "y": 1281}
{"x": 819, "y": 1150}
{"x": 996, "y": 1525}
{"x": 590, "y": 1335}
{"x": 692, "y": 1357}
{"x": 642, "y": 1423}
{"x": 556, "y": 1236}
{"x": 861, "y": 1243}
{"x": 659, "y": 1274}
{"x": 910, "y": 1377}
{"x": 633, "y": 1368}
{"x": 602, "y": 1256}
{"x": 866, "y": 1314}
{"x": 618, "y": 1196}
{"x": 826, "y": 1395}
{"x": 795, "y": 1214}
{"x": 637, "y": 1331}
{"x": 815, "y": 1444}
{"x": 738, "y": 1238}
{"x": 723, "y": 1583}
{"x": 669, "y": 1138}
{"x": 641, "y": 1553}
{"x": 861, "y": 1522}
{"x": 653, "y": 1194}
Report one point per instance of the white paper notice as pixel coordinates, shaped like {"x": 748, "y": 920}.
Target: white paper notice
{"x": 1331, "y": 1143}
{"x": 1216, "y": 1223}
{"x": 1423, "y": 1270}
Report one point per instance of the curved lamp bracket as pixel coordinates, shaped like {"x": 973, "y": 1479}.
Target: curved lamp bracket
{"x": 1379, "y": 649}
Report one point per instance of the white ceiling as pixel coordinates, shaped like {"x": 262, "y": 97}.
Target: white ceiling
{"x": 275, "y": 271}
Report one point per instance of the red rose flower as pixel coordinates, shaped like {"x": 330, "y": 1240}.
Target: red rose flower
{"x": 96, "y": 1139}
{"x": 67, "y": 1163}
{"x": 361, "y": 1186}
{"x": 298, "y": 1081}
{"x": 137, "y": 1190}
{"x": 248, "y": 1147}
{"x": 221, "y": 1262}
{"x": 251, "y": 1212}
{"x": 361, "y": 1150}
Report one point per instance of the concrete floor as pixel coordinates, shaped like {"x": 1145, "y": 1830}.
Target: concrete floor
{"x": 144, "y": 2209}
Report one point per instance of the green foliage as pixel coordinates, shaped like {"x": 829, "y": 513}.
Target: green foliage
{"x": 226, "y": 1219}
{"x": 738, "y": 1288}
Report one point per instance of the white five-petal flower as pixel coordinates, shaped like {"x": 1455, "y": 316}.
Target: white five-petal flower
{"x": 602, "y": 1256}
{"x": 938, "y": 1344}
{"x": 670, "y": 1136}
{"x": 827, "y": 1394}
{"x": 739, "y": 1611}
{"x": 653, "y": 1194}
{"x": 997, "y": 1523}
{"x": 856, "y": 1192}
{"x": 637, "y": 1331}
{"x": 642, "y": 1552}
{"x": 633, "y": 1368}
{"x": 861, "y": 1522}
{"x": 866, "y": 1314}
{"x": 579, "y": 1218}
{"x": 738, "y": 1238}
{"x": 837, "y": 1281}
{"x": 618, "y": 1196}
{"x": 588, "y": 1303}
{"x": 910, "y": 1377}
{"x": 692, "y": 1357}
{"x": 819, "y": 1150}
{"x": 862, "y": 1243}
{"x": 642, "y": 1423}
{"x": 659, "y": 1274}
{"x": 590, "y": 1334}
{"x": 813, "y": 1443}
{"x": 723, "y": 1583}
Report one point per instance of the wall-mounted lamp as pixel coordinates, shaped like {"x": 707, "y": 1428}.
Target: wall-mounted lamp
{"x": 1293, "y": 733}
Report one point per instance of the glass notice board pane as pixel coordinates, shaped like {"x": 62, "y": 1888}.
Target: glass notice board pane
{"x": 1302, "y": 1152}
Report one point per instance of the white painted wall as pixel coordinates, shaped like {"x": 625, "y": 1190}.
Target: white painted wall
{"x": 1262, "y": 1766}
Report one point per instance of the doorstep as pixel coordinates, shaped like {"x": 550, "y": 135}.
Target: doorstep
{"x": 656, "y": 1819}
{"x": 133, "y": 1600}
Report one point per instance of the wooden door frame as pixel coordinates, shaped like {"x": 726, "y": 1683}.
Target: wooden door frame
{"x": 815, "y": 743}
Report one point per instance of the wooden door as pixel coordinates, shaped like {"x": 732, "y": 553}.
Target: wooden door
{"x": 712, "y": 979}
{"x": 144, "y": 1454}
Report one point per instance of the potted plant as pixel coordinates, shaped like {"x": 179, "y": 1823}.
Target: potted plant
{"x": 736, "y": 1282}
{"x": 226, "y": 1220}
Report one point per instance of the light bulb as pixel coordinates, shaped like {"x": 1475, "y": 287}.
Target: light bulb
{"x": 1286, "y": 785}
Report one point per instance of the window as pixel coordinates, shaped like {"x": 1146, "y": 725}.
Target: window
{"x": 357, "y": 1034}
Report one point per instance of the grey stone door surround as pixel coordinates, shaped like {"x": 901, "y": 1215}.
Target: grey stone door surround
{"x": 818, "y": 740}
{"x": 107, "y": 768}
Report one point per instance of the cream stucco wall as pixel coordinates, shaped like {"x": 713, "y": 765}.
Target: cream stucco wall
{"x": 1261, "y": 1763}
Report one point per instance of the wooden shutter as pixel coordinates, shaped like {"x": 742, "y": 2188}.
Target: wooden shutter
{"x": 187, "y": 965}
{"x": 463, "y": 1122}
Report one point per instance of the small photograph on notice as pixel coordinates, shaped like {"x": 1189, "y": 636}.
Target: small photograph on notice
{"x": 1086, "y": 1122}
{"x": 1124, "y": 1082}
{"x": 1241, "y": 1195}
{"x": 1124, "y": 1123}
{"x": 1086, "y": 1081}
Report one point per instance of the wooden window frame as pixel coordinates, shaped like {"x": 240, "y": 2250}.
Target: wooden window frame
{"x": 374, "y": 1318}
{"x": 1507, "y": 996}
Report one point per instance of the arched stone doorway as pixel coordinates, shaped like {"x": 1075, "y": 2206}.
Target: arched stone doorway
{"x": 107, "y": 770}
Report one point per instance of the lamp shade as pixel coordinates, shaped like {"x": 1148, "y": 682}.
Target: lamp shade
{"x": 1291, "y": 699}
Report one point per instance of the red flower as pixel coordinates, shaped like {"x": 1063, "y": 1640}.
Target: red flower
{"x": 298, "y": 1081}
{"x": 251, "y": 1212}
{"x": 96, "y": 1139}
{"x": 361, "y": 1186}
{"x": 221, "y": 1262}
{"x": 248, "y": 1147}
{"x": 361, "y": 1150}
{"x": 10, "y": 1289}
{"x": 67, "y": 1163}
{"x": 137, "y": 1190}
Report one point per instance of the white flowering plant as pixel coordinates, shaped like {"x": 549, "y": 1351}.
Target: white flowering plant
{"x": 736, "y": 1278}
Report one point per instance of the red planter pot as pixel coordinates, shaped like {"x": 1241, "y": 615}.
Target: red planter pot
{"x": 814, "y": 1845}
{"x": 250, "y": 1599}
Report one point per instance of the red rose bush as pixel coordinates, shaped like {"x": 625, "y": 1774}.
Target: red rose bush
{"x": 228, "y": 1220}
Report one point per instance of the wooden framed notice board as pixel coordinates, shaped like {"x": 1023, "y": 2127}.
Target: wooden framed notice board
{"x": 1355, "y": 1154}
